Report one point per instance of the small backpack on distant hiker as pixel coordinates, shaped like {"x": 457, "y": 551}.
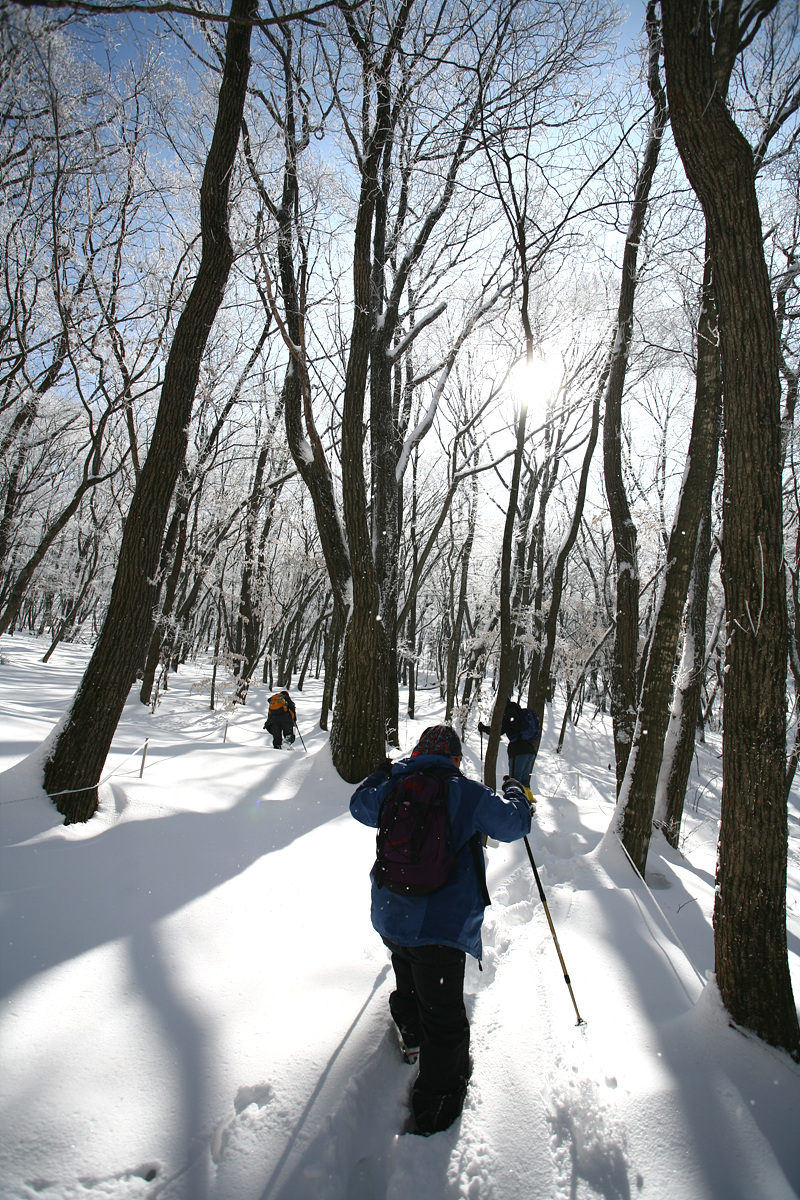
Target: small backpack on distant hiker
{"x": 531, "y": 727}
{"x": 520, "y": 724}
{"x": 281, "y": 718}
{"x": 415, "y": 847}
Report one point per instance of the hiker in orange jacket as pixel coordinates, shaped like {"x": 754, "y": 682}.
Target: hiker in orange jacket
{"x": 281, "y": 719}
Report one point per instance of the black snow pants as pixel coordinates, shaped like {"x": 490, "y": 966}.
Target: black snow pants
{"x": 280, "y": 725}
{"x": 428, "y": 1008}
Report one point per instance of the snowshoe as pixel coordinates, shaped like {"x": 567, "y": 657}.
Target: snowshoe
{"x": 409, "y": 1045}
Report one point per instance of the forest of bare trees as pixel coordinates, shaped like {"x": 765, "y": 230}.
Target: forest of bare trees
{"x": 456, "y": 340}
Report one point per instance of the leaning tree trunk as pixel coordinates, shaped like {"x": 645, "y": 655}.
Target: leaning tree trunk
{"x": 15, "y": 594}
{"x": 540, "y": 683}
{"x": 626, "y": 642}
{"x": 686, "y": 707}
{"x": 86, "y": 579}
{"x": 687, "y": 703}
{"x": 637, "y": 799}
{"x": 79, "y": 752}
{"x": 358, "y": 728}
{"x": 505, "y": 670}
{"x": 18, "y": 430}
{"x": 174, "y": 544}
{"x": 750, "y": 906}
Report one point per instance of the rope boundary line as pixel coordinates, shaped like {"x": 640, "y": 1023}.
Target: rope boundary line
{"x": 105, "y": 779}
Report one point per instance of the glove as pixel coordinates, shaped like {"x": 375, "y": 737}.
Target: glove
{"x": 510, "y": 781}
{"x": 483, "y": 728}
{"x": 386, "y": 766}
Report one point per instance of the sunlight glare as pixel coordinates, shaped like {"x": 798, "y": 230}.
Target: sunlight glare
{"x": 538, "y": 382}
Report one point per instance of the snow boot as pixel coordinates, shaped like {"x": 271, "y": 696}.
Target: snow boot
{"x": 435, "y": 1113}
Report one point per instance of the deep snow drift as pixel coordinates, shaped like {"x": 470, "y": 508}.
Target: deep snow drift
{"x": 195, "y": 1003}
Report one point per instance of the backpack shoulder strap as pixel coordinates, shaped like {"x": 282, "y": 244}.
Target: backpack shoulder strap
{"x": 476, "y": 845}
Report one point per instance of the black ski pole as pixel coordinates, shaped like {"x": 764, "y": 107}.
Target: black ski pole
{"x": 481, "y": 733}
{"x": 299, "y": 734}
{"x": 580, "y": 1020}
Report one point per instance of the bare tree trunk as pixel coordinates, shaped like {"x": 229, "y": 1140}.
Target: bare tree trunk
{"x": 638, "y": 795}
{"x": 80, "y": 750}
{"x": 313, "y": 641}
{"x": 687, "y": 707}
{"x": 216, "y": 654}
{"x": 15, "y": 593}
{"x": 304, "y": 441}
{"x": 626, "y": 643}
{"x": 252, "y": 567}
{"x": 358, "y": 733}
{"x": 175, "y": 544}
{"x": 794, "y": 646}
{"x": 539, "y": 686}
{"x": 411, "y": 627}
{"x": 332, "y": 645}
{"x": 189, "y": 490}
{"x": 751, "y": 959}
{"x": 87, "y": 577}
{"x": 687, "y": 704}
{"x": 19, "y": 427}
{"x": 505, "y": 679}
{"x": 455, "y": 641}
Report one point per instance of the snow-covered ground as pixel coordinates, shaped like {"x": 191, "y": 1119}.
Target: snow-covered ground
{"x": 195, "y": 1004}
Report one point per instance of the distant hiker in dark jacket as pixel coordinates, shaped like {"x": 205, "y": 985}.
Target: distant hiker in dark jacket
{"x": 281, "y": 719}
{"x": 521, "y": 727}
{"x": 430, "y": 935}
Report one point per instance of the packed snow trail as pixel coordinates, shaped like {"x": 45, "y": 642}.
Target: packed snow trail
{"x": 195, "y": 1003}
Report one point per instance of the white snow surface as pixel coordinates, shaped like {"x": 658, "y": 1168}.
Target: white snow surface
{"x": 195, "y": 1003}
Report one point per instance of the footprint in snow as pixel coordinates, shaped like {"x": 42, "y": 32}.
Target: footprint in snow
{"x": 518, "y": 889}
{"x": 587, "y": 1141}
{"x": 259, "y": 1095}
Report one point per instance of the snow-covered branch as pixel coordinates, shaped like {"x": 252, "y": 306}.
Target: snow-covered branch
{"x": 399, "y": 350}
{"x": 418, "y": 433}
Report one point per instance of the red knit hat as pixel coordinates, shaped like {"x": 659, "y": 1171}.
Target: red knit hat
{"x": 438, "y": 739}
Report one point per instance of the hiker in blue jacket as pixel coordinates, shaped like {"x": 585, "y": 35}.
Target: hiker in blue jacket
{"x": 429, "y": 936}
{"x": 521, "y": 727}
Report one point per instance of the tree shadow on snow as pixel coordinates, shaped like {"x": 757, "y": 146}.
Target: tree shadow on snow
{"x": 366, "y": 1116}
{"x": 741, "y": 1101}
{"x": 63, "y": 899}
{"x": 734, "y": 1105}
{"x": 185, "y": 1036}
